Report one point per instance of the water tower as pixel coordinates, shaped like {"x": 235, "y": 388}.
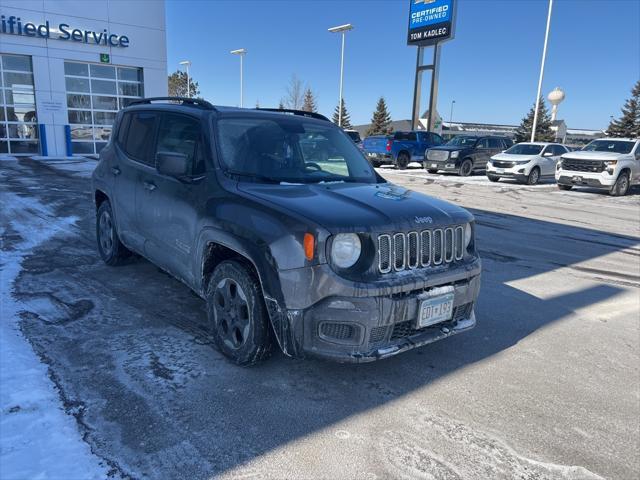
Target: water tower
{"x": 555, "y": 98}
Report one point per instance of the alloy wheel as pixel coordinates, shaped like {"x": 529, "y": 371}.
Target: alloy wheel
{"x": 232, "y": 313}
{"x": 105, "y": 226}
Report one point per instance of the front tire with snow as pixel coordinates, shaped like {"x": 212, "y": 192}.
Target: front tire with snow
{"x": 621, "y": 187}
{"x": 111, "y": 249}
{"x": 534, "y": 176}
{"x": 237, "y": 314}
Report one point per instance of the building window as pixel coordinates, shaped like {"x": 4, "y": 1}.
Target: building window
{"x": 95, "y": 92}
{"x": 18, "y": 121}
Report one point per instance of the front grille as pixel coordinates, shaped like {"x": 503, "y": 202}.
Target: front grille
{"x": 337, "y": 331}
{"x": 582, "y": 165}
{"x": 406, "y": 329}
{"x": 420, "y": 249}
{"x": 503, "y": 164}
{"x": 377, "y": 334}
{"x": 437, "y": 155}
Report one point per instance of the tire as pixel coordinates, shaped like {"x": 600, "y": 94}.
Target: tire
{"x": 111, "y": 249}
{"x": 564, "y": 187}
{"x": 466, "y": 168}
{"x": 493, "y": 178}
{"x": 403, "y": 160}
{"x": 237, "y": 314}
{"x": 534, "y": 176}
{"x": 621, "y": 187}
{"x": 432, "y": 170}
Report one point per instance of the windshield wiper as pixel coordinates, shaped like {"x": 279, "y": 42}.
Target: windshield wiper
{"x": 253, "y": 176}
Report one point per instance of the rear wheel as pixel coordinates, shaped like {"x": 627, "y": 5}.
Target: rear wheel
{"x": 534, "y": 176}
{"x": 111, "y": 250}
{"x": 493, "y": 178}
{"x": 403, "y": 160}
{"x": 466, "y": 168}
{"x": 237, "y": 314}
{"x": 621, "y": 187}
{"x": 564, "y": 187}
{"x": 432, "y": 170}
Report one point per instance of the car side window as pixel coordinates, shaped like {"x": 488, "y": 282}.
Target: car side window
{"x": 139, "y": 137}
{"x": 483, "y": 143}
{"x": 182, "y": 134}
{"x": 495, "y": 143}
{"x": 638, "y": 151}
{"x": 123, "y": 128}
{"x": 435, "y": 139}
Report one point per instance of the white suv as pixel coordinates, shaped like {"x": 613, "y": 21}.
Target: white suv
{"x": 526, "y": 162}
{"x": 611, "y": 163}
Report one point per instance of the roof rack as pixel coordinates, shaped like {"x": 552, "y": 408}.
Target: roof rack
{"x": 301, "y": 113}
{"x": 183, "y": 100}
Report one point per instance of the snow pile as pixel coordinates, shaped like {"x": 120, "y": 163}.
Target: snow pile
{"x": 37, "y": 438}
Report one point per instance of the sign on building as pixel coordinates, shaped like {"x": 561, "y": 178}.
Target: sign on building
{"x": 430, "y": 21}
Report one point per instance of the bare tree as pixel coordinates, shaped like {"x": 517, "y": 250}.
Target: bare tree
{"x": 295, "y": 93}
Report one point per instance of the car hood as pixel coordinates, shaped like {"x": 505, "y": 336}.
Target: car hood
{"x": 581, "y": 155}
{"x": 357, "y": 207}
{"x": 509, "y": 157}
{"x": 449, "y": 148}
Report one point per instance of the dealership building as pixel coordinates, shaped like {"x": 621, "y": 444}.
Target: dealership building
{"x": 67, "y": 67}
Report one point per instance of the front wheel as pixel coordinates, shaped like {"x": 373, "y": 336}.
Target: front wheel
{"x": 466, "y": 168}
{"x": 621, "y": 187}
{"x": 534, "y": 176}
{"x": 432, "y": 170}
{"x": 564, "y": 187}
{"x": 493, "y": 178}
{"x": 237, "y": 314}
{"x": 111, "y": 250}
{"x": 403, "y": 160}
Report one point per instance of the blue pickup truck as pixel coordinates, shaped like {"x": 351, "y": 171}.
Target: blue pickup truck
{"x": 399, "y": 149}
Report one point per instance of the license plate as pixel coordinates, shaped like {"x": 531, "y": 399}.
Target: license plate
{"x": 435, "y": 310}
{"x": 499, "y": 170}
{"x": 434, "y": 165}
{"x": 577, "y": 179}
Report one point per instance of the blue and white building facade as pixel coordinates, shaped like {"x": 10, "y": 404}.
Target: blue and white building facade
{"x": 67, "y": 67}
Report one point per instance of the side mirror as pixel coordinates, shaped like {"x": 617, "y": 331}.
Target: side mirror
{"x": 172, "y": 164}
{"x": 547, "y": 154}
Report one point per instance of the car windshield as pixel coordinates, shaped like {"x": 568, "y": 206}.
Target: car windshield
{"x": 462, "y": 141}
{"x": 525, "y": 149}
{"x": 609, "y": 146}
{"x": 355, "y": 136}
{"x": 291, "y": 150}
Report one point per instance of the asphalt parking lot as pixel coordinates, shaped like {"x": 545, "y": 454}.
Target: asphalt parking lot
{"x": 546, "y": 386}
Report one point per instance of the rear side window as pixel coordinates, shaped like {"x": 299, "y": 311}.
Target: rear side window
{"x": 495, "y": 143}
{"x": 483, "y": 143}
{"x": 435, "y": 139}
{"x": 182, "y": 134}
{"x": 410, "y": 136}
{"x": 123, "y": 127}
{"x": 140, "y": 132}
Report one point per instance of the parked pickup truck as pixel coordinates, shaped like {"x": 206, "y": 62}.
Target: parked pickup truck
{"x": 401, "y": 149}
{"x": 607, "y": 163}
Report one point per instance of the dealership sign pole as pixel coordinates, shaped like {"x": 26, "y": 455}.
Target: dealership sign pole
{"x": 431, "y": 22}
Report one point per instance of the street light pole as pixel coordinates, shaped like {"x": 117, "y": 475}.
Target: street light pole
{"x": 544, "y": 57}
{"x": 451, "y": 113}
{"x": 241, "y": 53}
{"x": 187, "y": 64}
{"x": 341, "y": 29}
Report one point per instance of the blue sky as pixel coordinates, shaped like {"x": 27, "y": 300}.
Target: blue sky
{"x": 490, "y": 68}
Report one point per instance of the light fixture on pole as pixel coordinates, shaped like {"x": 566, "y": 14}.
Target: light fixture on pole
{"x": 544, "y": 57}
{"x": 451, "y": 113}
{"x": 241, "y": 53}
{"x": 187, "y": 64}
{"x": 341, "y": 29}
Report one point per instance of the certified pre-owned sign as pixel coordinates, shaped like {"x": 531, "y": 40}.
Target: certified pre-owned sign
{"x": 430, "y": 21}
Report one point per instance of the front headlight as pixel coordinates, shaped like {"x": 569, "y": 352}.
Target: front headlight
{"x": 455, "y": 154}
{"x": 345, "y": 250}
{"x": 468, "y": 235}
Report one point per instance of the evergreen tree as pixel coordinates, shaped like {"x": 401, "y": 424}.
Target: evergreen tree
{"x": 381, "y": 120}
{"x": 281, "y": 105}
{"x": 309, "y": 101}
{"x": 178, "y": 85}
{"x": 346, "y": 121}
{"x": 257, "y": 103}
{"x": 628, "y": 125}
{"x": 543, "y": 127}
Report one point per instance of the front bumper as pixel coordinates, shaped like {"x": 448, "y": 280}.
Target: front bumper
{"x": 590, "y": 179}
{"x": 517, "y": 172}
{"x": 364, "y": 322}
{"x": 445, "y": 166}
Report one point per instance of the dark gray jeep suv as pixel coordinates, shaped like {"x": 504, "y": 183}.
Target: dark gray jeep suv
{"x": 277, "y": 220}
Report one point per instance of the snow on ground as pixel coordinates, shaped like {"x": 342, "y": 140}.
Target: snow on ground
{"x": 77, "y": 166}
{"x": 38, "y": 439}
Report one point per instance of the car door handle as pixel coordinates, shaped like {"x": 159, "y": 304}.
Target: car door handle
{"x": 115, "y": 170}
{"x": 149, "y": 186}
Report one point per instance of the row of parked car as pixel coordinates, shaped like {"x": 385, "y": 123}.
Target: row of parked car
{"x": 608, "y": 163}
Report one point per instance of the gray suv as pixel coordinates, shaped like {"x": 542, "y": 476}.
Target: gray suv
{"x": 280, "y": 224}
